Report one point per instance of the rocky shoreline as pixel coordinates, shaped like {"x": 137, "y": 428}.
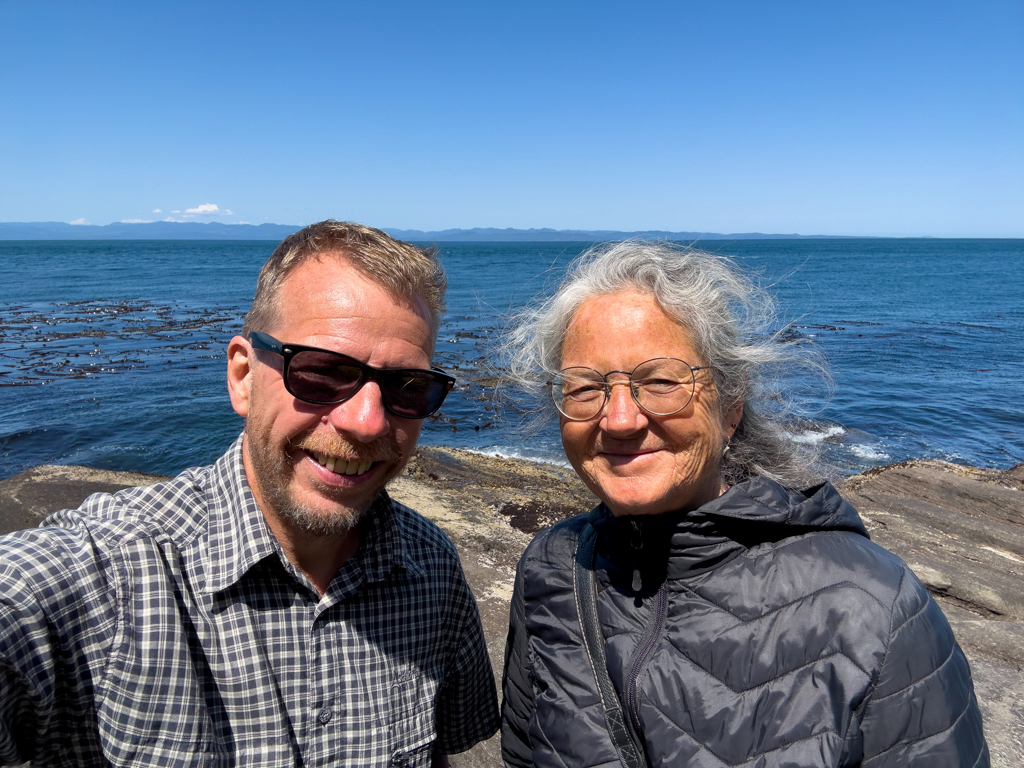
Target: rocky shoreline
{"x": 960, "y": 529}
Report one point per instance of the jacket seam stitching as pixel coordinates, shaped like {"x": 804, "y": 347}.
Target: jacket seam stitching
{"x": 911, "y": 617}
{"x": 888, "y": 645}
{"x": 935, "y": 671}
{"x": 800, "y": 599}
{"x": 776, "y": 678}
{"x": 795, "y": 539}
{"x": 710, "y": 751}
{"x": 904, "y": 742}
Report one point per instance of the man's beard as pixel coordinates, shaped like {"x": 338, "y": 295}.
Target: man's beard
{"x": 273, "y": 470}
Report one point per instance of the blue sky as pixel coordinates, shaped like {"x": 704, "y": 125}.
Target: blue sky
{"x": 859, "y": 118}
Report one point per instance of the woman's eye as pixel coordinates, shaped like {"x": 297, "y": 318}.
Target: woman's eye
{"x": 584, "y": 391}
{"x": 658, "y": 386}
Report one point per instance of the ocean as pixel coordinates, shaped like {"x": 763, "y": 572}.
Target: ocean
{"x": 112, "y": 353}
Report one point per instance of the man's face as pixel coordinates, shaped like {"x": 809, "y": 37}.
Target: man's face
{"x": 317, "y": 468}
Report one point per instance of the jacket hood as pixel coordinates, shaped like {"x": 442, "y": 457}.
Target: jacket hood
{"x": 750, "y": 513}
{"x": 764, "y": 501}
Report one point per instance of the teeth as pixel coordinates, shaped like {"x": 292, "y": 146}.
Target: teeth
{"x": 342, "y": 466}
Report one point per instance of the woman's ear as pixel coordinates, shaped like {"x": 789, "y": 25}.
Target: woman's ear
{"x": 732, "y": 418}
{"x": 241, "y": 362}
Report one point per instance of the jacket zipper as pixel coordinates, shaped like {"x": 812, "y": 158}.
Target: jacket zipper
{"x": 650, "y": 639}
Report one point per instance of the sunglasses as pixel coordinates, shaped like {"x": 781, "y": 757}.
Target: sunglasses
{"x": 322, "y": 377}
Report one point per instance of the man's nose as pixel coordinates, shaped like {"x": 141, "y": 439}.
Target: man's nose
{"x": 362, "y": 416}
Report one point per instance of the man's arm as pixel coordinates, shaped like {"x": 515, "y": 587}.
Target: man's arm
{"x": 57, "y": 613}
{"x": 467, "y": 708}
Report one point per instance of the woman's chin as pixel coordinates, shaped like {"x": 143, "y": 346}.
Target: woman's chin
{"x": 637, "y": 497}
{"x": 634, "y": 501}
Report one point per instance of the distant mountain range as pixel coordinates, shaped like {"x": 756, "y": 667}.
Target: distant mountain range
{"x": 173, "y": 230}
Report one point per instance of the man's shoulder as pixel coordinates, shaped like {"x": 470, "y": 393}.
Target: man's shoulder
{"x": 420, "y": 533}
{"x": 176, "y": 509}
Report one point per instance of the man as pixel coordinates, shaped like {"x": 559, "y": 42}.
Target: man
{"x": 275, "y": 608}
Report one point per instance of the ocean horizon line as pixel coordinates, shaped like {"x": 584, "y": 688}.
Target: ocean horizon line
{"x": 194, "y": 230}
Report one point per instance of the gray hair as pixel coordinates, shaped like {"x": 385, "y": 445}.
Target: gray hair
{"x": 729, "y": 321}
{"x": 404, "y": 270}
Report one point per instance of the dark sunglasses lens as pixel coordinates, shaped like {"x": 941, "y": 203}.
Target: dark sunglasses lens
{"x": 322, "y": 377}
{"x": 413, "y": 394}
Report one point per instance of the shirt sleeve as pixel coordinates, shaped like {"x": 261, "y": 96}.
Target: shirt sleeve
{"x": 467, "y": 707}
{"x": 54, "y": 615}
{"x": 922, "y": 710}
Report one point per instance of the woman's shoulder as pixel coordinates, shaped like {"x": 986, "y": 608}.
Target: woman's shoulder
{"x": 823, "y": 567}
{"x": 553, "y": 545}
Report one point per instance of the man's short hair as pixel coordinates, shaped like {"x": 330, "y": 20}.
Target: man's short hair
{"x": 402, "y": 269}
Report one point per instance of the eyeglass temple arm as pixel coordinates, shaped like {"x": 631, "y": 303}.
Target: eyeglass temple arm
{"x": 265, "y": 342}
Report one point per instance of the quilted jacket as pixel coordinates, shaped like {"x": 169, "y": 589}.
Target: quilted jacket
{"x": 763, "y": 629}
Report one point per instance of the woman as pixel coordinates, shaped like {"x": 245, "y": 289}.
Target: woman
{"x": 704, "y": 614}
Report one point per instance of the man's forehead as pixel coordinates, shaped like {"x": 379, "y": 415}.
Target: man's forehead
{"x": 333, "y": 277}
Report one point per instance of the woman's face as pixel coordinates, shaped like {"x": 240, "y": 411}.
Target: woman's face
{"x": 637, "y": 463}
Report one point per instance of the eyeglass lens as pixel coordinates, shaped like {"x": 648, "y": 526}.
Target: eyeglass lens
{"x": 326, "y": 377}
{"x": 661, "y": 386}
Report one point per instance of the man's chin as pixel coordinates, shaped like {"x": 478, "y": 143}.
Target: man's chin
{"x": 319, "y": 521}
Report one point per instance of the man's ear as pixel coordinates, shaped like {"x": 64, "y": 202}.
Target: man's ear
{"x": 241, "y": 362}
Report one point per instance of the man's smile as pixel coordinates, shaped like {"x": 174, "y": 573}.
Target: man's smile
{"x": 340, "y": 465}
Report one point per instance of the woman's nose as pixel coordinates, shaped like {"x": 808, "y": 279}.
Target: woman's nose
{"x": 623, "y": 415}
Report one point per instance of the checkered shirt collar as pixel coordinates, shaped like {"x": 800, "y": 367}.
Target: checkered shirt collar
{"x": 239, "y": 537}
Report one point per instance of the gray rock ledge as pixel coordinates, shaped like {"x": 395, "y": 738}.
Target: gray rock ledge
{"x": 960, "y": 529}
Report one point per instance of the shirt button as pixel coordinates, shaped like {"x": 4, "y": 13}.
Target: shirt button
{"x": 325, "y": 716}
{"x": 398, "y": 758}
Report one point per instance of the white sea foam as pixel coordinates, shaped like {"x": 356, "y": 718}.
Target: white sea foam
{"x": 817, "y": 435}
{"x": 507, "y": 453}
{"x": 869, "y": 453}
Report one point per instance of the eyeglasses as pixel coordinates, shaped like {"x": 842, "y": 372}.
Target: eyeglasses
{"x": 661, "y": 387}
{"x": 323, "y": 377}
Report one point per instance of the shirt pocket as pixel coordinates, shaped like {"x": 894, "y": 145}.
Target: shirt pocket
{"x": 414, "y": 744}
{"x": 412, "y": 722}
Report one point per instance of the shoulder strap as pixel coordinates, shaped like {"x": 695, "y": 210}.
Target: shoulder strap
{"x": 629, "y": 747}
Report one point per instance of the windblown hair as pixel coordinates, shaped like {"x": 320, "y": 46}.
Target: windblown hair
{"x": 728, "y": 319}
{"x": 403, "y": 270}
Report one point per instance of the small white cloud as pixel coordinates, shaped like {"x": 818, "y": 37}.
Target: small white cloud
{"x": 79, "y": 221}
{"x": 175, "y": 211}
{"x": 157, "y": 210}
{"x": 204, "y": 208}
{"x": 171, "y": 218}
{"x": 228, "y": 212}
{"x": 135, "y": 221}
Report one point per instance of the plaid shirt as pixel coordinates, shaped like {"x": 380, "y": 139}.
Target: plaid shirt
{"x": 163, "y": 626}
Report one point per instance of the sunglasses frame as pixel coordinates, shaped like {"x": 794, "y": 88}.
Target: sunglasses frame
{"x": 267, "y": 343}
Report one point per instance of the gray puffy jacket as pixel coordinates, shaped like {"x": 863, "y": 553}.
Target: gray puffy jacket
{"x": 767, "y": 630}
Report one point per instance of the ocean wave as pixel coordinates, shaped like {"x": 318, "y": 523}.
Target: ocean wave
{"x": 869, "y": 453}
{"x": 511, "y": 453}
{"x": 817, "y": 434}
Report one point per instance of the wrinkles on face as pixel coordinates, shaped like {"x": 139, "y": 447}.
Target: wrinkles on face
{"x": 634, "y": 461}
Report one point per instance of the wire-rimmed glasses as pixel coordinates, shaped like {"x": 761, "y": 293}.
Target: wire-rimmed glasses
{"x": 661, "y": 386}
